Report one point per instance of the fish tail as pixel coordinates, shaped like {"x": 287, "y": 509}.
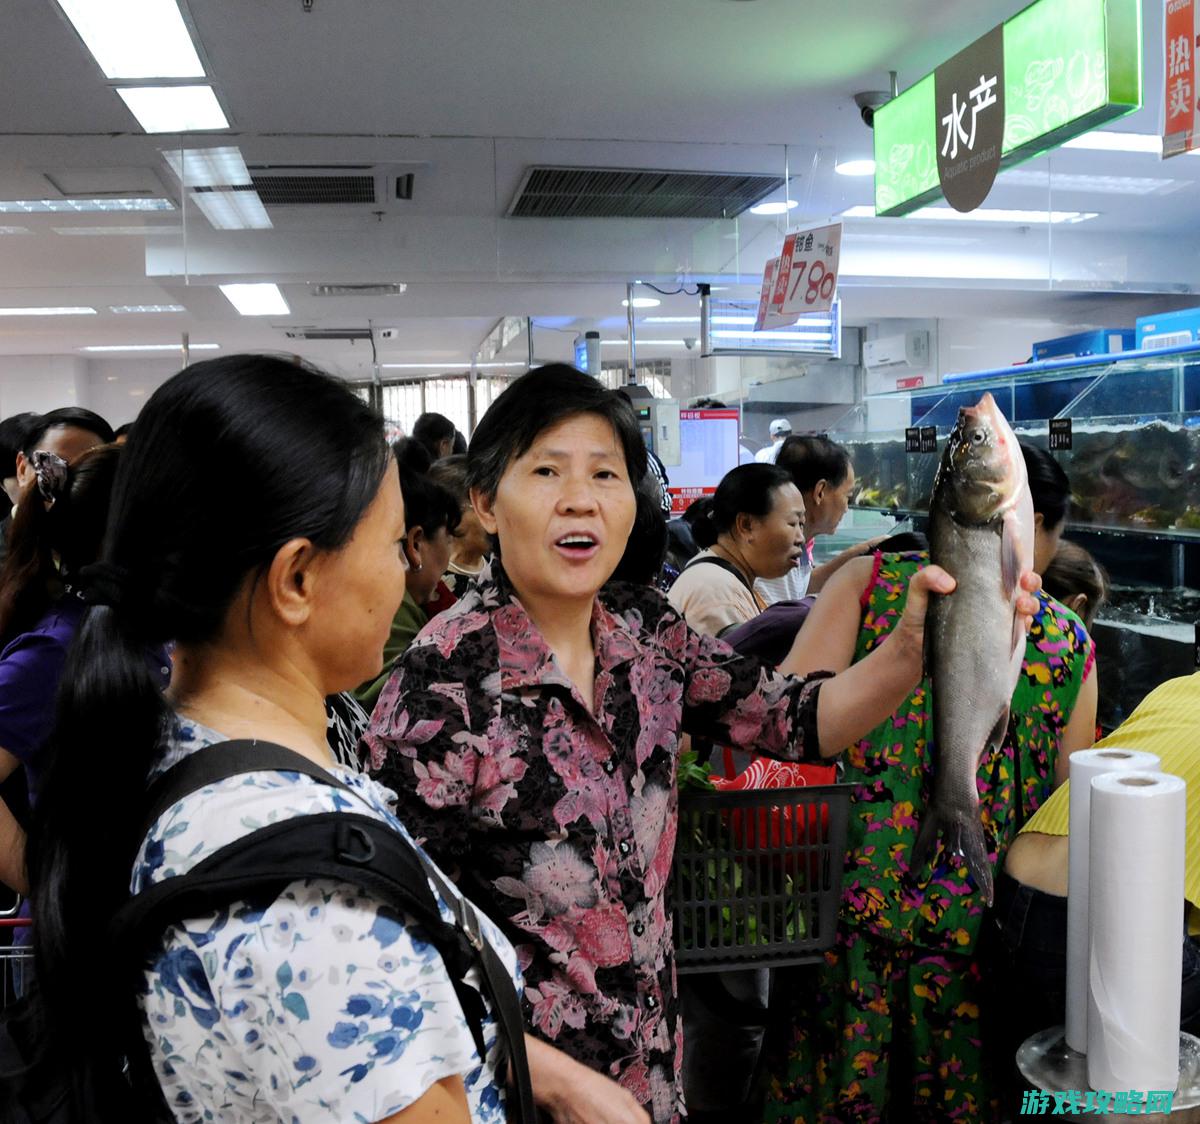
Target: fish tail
{"x": 962, "y": 835}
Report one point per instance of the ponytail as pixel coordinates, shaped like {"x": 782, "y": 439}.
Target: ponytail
{"x": 109, "y": 720}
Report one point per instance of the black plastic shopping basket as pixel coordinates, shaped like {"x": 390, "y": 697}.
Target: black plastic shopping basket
{"x": 758, "y": 876}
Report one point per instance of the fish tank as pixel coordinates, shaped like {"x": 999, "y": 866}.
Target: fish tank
{"x": 1134, "y": 465}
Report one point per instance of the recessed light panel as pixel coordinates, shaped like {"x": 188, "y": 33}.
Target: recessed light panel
{"x": 258, "y": 299}
{"x": 135, "y": 38}
{"x": 81, "y": 206}
{"x": 174, "y": 109}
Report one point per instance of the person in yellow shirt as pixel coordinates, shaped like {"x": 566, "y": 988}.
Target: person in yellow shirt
{"x": 1029, "y": 935}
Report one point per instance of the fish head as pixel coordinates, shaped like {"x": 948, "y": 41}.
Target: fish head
{"x": 982, "y": 473}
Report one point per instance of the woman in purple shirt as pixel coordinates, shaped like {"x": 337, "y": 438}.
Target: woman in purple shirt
{"x": 531, "y": 731}
{"x": 56, "y": 531}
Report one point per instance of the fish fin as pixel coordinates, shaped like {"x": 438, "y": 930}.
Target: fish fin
{"x": 972, "y": 845}
{"x": 996, "y": 738}
{"x": 962, "y": 835}
{"x": 1018, "y": 635}
{"x": 1010, "y": 553}
{"x": 923, "y": 849}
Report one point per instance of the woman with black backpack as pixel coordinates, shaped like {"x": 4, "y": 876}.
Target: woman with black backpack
{"x": 257, "y": 522}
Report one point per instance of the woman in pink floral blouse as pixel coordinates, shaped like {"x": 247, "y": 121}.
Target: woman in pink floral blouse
{"x": 532, "y": 730}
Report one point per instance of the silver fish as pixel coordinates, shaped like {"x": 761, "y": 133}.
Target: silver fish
{"x": 981, "y": 533}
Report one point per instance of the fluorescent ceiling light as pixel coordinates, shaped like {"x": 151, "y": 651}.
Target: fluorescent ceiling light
{"x": 982, "y": 214}
{"x": 135, "y": 38}
{"x": 232, "y": 210}
{"x": 78, "y": 310}
{"x": 114, "y": 231}
{"x": 855, "y": 168}
{"x": 1100, "y": 185}
{"x": 644, "y": 343}
{"x": 642, "y": 302}
{"x": 773, "y": 335}
{"x": 780, "y": 208}
{"x": 123, "y": 308}
{"x": 1117, "y": 142}
{"x": 151, "y": 347}
{"x": 456, "y": 364}
{"x": 256, "y": 299}
{"x": 15, "y": 230}
{"x": 208, "y": 167}
{"x": 174, "y": 109}
{"x": 671, "y": 320}
{"x": 82, "y": 206}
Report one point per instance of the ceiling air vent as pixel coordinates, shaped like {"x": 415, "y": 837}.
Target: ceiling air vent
{"x": 624, "y": 193}
{"x": 284, "y": 187}
{"x": 328, "y": 333}
{"x": 353, "y": 290}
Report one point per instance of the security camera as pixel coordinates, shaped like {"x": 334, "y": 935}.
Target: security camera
{"x": 689, "y": 342}
{"x": 868, "y": 101}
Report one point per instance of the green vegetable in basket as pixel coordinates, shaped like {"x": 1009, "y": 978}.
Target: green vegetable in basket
{"x": 691, "y": 774}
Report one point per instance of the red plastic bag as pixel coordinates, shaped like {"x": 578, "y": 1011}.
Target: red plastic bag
{"x": 776, "y": 828}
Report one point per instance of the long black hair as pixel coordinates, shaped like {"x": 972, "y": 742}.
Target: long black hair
{"x": 231, "y": 459}
{"x": 748, "y": 489}
{"x": 49, "y": 545}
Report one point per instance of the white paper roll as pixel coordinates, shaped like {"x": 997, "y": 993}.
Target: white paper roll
{"x": 1138, "y": 838}
{"x": 1086, "y": 765}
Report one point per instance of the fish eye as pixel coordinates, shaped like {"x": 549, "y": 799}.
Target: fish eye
{"x": 977, "y": 437}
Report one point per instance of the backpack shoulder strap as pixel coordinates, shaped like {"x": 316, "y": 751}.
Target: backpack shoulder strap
{"x": 217, "y": 763}
{"x": 342, "y": 846}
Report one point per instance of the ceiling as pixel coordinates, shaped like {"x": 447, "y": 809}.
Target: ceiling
{"x": 466, "y": 98}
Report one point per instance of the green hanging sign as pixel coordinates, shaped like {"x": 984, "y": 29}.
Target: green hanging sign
{"x": 1062, "y": 68}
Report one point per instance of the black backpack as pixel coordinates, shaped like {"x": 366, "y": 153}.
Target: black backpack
{"x": 351, "y": 847}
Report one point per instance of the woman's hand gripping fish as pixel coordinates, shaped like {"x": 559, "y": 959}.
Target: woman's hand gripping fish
{"x": 981, "y": 532}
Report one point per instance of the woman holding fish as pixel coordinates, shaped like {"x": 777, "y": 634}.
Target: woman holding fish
{"x": 892, "y": 1023}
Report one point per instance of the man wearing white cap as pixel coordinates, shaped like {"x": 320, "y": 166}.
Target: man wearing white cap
{"x": 781, "y": 430}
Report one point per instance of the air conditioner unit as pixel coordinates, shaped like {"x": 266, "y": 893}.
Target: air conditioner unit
{"x": 909, "y": 349}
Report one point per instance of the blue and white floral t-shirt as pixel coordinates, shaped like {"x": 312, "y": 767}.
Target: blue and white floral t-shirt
{"x": 318, "y": 1008}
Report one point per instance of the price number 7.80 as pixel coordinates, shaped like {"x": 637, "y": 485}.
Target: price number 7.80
{"x": 818, "y": 281}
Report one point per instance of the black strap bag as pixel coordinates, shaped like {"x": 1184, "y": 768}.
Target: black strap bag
{"x": 359, "y": 849}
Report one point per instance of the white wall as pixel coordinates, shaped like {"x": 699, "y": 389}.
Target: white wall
{"x": 117, "y": 388}
{"x": 41, "y": 382}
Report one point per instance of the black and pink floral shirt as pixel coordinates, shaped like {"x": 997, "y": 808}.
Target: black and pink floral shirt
{"x": 562, "y": 819}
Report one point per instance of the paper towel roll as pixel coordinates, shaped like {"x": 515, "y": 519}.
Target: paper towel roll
{"x": 1086, "y": 765}
{"x": 1138, "y": 838}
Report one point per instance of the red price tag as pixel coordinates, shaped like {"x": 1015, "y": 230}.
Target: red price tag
{"x": 812, "y": 270}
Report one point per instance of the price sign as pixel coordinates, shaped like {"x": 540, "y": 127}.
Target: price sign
{"x": 912, "y": 439}
{"x": 767, "y": 316}
{"x": 929, "y": 439}
{"x": 806, "y": 280}
{"x": 1060, "y": 433}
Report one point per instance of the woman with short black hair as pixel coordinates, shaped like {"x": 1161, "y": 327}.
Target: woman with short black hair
{"x": 531, "y": 731}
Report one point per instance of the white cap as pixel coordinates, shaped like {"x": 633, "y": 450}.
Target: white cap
{"x": 779, "y": 426}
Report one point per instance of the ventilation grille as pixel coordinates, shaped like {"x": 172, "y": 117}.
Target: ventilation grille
{"x": 328, "y": 333}
{"x": 354, "y": 290}
{"x": 321, "y": 191}
{"x": 621, "y": 193}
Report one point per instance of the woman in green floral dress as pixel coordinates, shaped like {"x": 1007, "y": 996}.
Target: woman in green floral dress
{"x": 889, "y": 1026}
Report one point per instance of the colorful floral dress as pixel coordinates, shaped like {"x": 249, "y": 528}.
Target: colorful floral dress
{"x": 561, "y": 818}
{"x": 892, "y": 1019}
{"x": 319, "y": 1007}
